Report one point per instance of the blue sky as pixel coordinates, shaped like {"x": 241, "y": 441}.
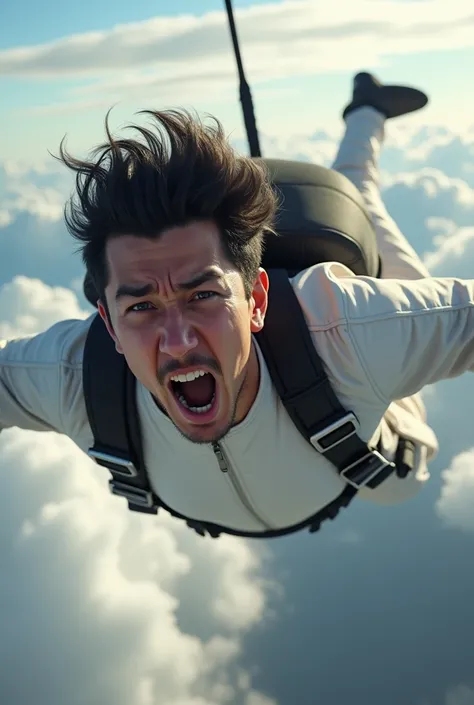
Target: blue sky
{"x": 300, "y": 59}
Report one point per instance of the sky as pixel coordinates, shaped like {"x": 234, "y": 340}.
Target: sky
{"x": 61, "y": 73}
{"x": 98, "y": 605}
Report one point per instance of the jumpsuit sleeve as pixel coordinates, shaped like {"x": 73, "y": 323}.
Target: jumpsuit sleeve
{"x": 41, "y": 380}
{"x": 409, "y": 334}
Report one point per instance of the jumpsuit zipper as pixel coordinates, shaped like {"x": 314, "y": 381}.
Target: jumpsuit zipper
{"x": 226, "y": 467}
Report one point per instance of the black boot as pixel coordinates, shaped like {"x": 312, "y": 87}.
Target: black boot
{"x": 391, "y": 101}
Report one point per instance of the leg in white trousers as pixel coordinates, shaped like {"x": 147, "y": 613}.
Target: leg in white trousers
{"x": 357, "y": 159}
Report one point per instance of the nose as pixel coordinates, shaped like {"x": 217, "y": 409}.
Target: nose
{"x": 177, "y": 336}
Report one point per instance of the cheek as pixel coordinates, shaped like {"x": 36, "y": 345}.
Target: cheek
{"x": 230, "y": 322}
{"x": 139, "y": 347}
{"x": 234, "y": 335}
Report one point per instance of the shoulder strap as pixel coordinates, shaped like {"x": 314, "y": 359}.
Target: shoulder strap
{"x": 110, "y": 397}
{"x": 108, "y": 392}
{"x": 304, "y": 388}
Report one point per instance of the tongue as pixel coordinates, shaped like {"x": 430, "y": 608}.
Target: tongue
{"x": 198, "y": 392}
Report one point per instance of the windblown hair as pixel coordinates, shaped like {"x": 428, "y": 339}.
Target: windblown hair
{"x": 183, "y": 171}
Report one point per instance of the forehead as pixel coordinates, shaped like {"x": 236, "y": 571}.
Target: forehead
{"x": 176, "y": 253}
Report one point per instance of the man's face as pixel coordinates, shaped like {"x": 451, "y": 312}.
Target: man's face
{"x": 178, "y": 307}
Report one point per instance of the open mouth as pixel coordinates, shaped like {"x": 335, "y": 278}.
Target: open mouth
{"x": 195, "y": 394}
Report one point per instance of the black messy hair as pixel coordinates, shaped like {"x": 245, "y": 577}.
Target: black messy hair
{"x": 181, "y": 171}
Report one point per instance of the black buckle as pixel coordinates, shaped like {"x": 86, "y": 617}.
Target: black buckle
{"x": 362, "y": 471}
{"x": 318, "y": 438}
{"x": 118, "y": 465}
{"x": 135, "y": 495}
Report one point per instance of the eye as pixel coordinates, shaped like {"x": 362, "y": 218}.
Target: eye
{"x": 135, "y": 308}
{"x": 200, "y": 295}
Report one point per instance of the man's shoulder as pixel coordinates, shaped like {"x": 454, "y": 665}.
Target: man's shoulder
{"x": 60, "y": 344}
{"x": 322, "y": 291}
{"x": 331, "y": 295}
{"x": 41, "y": 385}
{"x": 321, "y": 295}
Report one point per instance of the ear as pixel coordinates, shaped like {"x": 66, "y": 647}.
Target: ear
{"x": 260, "y": 301}
{"x": 108, "y": 325}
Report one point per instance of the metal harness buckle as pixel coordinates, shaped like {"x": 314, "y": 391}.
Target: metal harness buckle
{"x": 134, "y": 494}
{"x": 317, "y": 439}
{"x": 362, "y": 471}
{"x": 119, "y": 466}
{"x": 359, "y": 473}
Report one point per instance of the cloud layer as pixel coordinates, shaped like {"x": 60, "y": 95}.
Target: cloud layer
{"x": 301, "y": 38}
{"x": 87, "y": 593}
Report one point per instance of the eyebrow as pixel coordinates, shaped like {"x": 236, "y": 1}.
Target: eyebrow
{"x": 137, "y": 292}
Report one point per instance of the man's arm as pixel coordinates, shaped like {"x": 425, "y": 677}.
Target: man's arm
{"x": 41, "y": 380}
{"x": 408, "y": 334}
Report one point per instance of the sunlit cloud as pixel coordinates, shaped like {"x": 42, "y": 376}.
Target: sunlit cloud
{"x": 153, "y": 56}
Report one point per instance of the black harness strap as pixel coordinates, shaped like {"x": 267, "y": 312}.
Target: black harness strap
{"x": 305, "y": 390}
{"x": 109, "y": 390}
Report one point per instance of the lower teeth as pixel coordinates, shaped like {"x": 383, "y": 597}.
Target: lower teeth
{"x": 196, "y": 409}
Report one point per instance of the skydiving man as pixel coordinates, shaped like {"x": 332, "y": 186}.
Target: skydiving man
{"x": 172, "y": 238}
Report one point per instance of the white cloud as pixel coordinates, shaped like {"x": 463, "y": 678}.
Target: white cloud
{"x": 456, "y": 500}
{"x": 421, "y": 202}
{"x": 33, "y": 235}
{"x": 319, "y": 148}
{"x": 77, "y": 611}
{"x": 254, "y": 698}
{"x": 28, "y": 306}
{"x": 431, "y": 183}
{"x": 38, "y": 189}
{"x": 418, "y": 141}
{"x": 89, "y": 594}
{"x": 45, "y": 203}
{"x": 5, "y": 218}
{"x": 460, "y": 695}
{"x": 154, "y": 54}
{"x": 452, "y": 247}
